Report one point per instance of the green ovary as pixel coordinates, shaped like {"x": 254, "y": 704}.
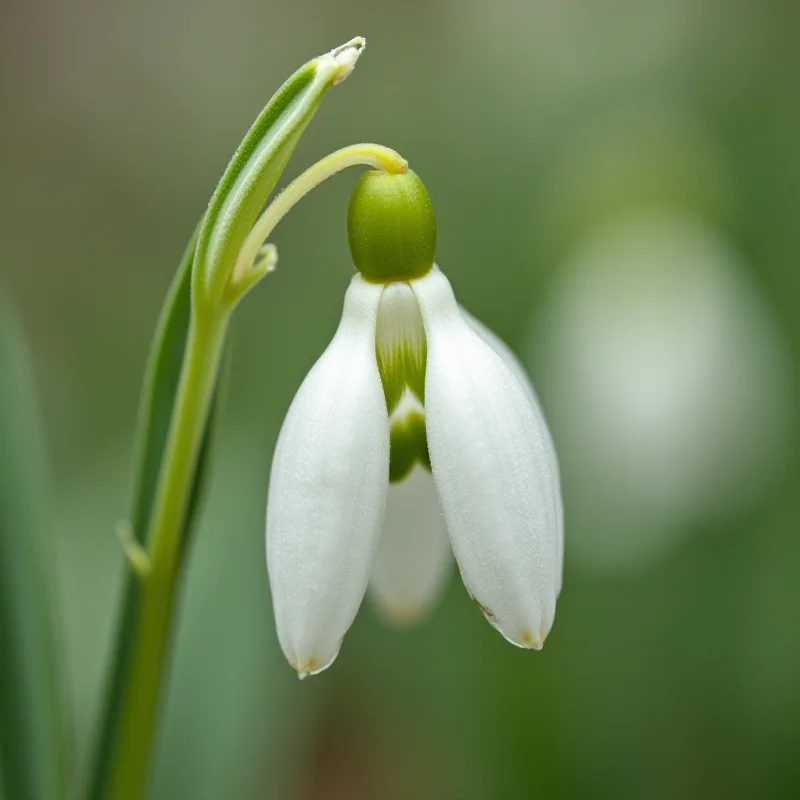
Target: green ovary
{"x": 391, "y": 227}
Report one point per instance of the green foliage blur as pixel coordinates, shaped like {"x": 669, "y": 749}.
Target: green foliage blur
{"x": 531, "y": 123}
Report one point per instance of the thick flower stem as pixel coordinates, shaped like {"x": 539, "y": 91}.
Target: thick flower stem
{"x": 133, "y": 746}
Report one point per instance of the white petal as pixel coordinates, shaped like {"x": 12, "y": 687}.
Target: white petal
{"x": 510, "y": 357}
{"x": 327, "y": 490}
{"x": 492, "y": 467}
{"x": 414, "y": 553}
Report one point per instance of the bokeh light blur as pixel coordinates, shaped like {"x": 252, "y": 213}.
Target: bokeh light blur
{"x": 669, "y": 386}
{"x": 617, "y": 187}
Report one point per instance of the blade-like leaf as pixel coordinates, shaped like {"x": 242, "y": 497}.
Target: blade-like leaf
{"x": 158, "y": 397}
{"x": 32, "y": 764}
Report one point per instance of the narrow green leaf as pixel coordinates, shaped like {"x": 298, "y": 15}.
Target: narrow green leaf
{"x": 32, "y": 763}
{"x": 158, "y": 397}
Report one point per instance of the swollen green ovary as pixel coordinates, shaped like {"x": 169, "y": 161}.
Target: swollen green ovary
{"x": 401, "y": 351}
{"x": 391, "y": 227}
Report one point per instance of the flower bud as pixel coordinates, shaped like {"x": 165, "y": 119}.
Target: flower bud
{"x": 391, "y": 227}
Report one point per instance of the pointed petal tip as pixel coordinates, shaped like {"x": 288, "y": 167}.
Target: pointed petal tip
{"x": 311, "y": 666}
{"x": 533, "y": 641}
{"x": 527, "y": 639}
{"x": 306, "y": 668}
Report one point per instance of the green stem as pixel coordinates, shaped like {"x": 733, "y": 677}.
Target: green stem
{"x": 368, "y": 155}
{"x": 131, "y": 756}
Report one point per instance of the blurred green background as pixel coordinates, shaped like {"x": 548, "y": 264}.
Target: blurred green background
{"x": 570, "y": 148}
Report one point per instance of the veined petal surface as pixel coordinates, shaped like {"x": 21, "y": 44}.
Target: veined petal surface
{"x": 414, "y": 554}
{"x": 327, "y": 490}
{"x": 492, "y": 465}
{"x": 511, "y": 359}
{"x": 400, "y": 344}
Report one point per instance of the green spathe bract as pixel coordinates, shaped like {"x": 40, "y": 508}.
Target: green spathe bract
{"x": 255, "y": 169}
{"x": 391, "y": 227}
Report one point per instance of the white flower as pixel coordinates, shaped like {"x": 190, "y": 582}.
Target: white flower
{"x": 411, "y": 385}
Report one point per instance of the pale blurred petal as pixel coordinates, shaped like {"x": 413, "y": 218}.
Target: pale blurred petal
{"x": 668, "y": 384}
{"x": 327, "y": 490}
{"x": 414, "y": 554}
{"x": 492, "y": 466}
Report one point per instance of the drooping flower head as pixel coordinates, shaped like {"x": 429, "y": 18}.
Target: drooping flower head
{"x": 416, "y": 435}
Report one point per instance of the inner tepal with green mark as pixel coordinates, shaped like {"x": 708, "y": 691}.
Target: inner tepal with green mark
{"x": 401, "y": 350}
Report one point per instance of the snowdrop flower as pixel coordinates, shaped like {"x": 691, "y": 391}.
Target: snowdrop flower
{"x": 417, "y": 431}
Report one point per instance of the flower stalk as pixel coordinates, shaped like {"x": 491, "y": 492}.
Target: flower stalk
{"x": 151, "y": 633}
{"x": 368, "y": 155}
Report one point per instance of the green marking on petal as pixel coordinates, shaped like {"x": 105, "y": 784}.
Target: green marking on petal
{"x": 401, "y": 368}
{"x": 408, "y": 445}
{"x": 402, "y": 352}
{"x": 400, "y": 345}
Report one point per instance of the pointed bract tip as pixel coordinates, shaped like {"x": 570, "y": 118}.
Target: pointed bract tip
{"x": 346, "y": 57}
